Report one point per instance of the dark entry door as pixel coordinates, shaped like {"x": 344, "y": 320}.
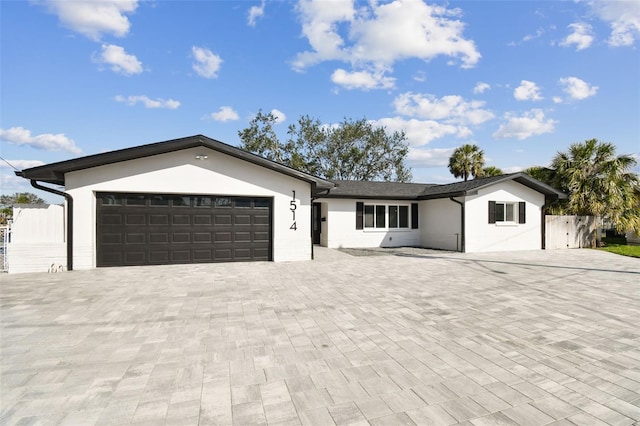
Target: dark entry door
{"x": 152, "y": 229}
{"x": 317, "y": 222}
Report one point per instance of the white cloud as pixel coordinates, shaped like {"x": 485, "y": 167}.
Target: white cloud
{"x": 207, "y": 64}
{"x": 622, "y": 16}
{"x": 21, "y": 164}
{"x": 538, "y": 34}
{"x": 94, "y": 18}
{"x": 512, "y": 169}
{"x": 226, "y": 113}
{"x": 452, "y": 109}
{"x": 255, "y": 12}
{"x": 45, "y": 141}
{"x": 279, "y": 115}
{"x": 420, "y": 76}
{"x": 377, "y": 35}
{"x": 557, "y": 100}
{"x": 481, "y": 87}
{"x": 429, "y": 157}
{"x": 148, "y": 102}
{"x": 527, "y": 91}
{"x": 121, "y": 62}
{"x": 531, "y": 123}
{"x": 582, "y": 36}
{"x": 577, "y": 89}
{"x": 362, "y": 80}
{"x": 421, "y": 132}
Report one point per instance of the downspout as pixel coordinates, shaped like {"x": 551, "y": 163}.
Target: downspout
{"x": 69, "y": 199}
{"x": 462, "y": 233}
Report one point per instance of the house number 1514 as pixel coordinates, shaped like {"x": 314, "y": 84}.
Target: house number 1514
{"x": 293, "y": 207}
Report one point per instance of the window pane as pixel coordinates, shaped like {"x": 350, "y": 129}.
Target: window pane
{"x": 368, "y": 216}
{"x": 181, "y": 201}
{"x": 243, "y": 203}
{"x": 262, "y": 203}
{"x": 201, "y": 201}
{"x": 111, "y": 200}
{"x": 509, "y": 212}
{"x": 404, "y": 216}
{"x": 222, "y": 202}
{"x": 159, "y": 200}
{"x": 136, "y": 200}
{"x": 499, "y": 212}
{"x": 380, "y": 216}
{"x": 393, "y": 216}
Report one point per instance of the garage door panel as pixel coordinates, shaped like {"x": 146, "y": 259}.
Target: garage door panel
{"x": 159, "y": 219}
{"x": 261, "y": 236}
{"x": 242, "y": 236}
{"x": 137, "y": 238}
{"x": 139, "y": 229}
{"x": 135, "y": 257}
{"x": 201, "y": 219}
{"x": 159, "y": 256}
{"x": 181, "y": 219}
{"x": 202, "y": 237}
{"x": 158, "y": 238}
{"x": 222, "y": 219}
{"x": 202, "y": 255}
{"x": 111, "y": 219}
{"x": 222, "y": 237}
{"x": 111, "y": 238}
{"x": 135, "y": 219}
{"x": 180, "y": 237}
{"x": 261, "y": 219}
{"x": 242, "y": 219}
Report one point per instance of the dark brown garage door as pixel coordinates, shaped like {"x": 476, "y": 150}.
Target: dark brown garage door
{"x": 155, "y": 229}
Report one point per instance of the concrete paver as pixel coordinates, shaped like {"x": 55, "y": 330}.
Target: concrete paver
{"x": 417, "y": 337}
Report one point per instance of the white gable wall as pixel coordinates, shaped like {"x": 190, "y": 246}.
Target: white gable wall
{"x": 440, "y": 224}
{"x": 483, "y": 236}
{"x": 341, "y": 227}
{"x": 181, "y": 173}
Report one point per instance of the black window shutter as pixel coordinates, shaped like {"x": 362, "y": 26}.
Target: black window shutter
{"x": 492, "y": 212}
{"x": 359, "y": 215}
{"x": 522, "y": 212}
{"x": 414, "y": 216}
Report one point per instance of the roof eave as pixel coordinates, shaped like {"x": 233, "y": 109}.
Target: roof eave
{"x": 46, "y": 173}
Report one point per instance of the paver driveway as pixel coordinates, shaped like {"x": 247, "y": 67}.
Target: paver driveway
{"x": 425, "y": 338}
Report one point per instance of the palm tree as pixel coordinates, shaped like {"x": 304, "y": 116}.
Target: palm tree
{"x": 467, "y": 160}
{"x": 492, "y": 171}
{"x": 599, "y": 183}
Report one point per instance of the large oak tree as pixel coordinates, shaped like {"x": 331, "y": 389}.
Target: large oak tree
{"x": 350, "y": 150}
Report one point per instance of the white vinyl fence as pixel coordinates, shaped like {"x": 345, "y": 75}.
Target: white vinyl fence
{"x": 37, "y": 240}
{"x": 562, "y": 232}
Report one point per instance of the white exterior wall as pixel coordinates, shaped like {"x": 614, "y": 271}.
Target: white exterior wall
{"x": 341, "y": 227}
{"x": 181, "y": 173}
{"x": 482, "y": 236}
{"x": 37, "y": 239}
{"x": 440, "y": 221}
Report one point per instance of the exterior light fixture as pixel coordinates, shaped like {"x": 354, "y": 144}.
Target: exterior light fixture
{"x": 201, "y": 157}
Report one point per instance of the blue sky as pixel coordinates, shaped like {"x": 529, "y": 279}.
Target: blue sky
{"x": 520, "y": 79}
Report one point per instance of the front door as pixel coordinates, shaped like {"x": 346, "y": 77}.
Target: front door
{"x": 317, "y": 222}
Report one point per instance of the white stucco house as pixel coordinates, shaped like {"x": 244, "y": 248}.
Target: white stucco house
{"x": 196, "y": 199}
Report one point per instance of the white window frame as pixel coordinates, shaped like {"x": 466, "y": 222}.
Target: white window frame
{"x": 504, "y": 219}
{"x": 387, "y": 216}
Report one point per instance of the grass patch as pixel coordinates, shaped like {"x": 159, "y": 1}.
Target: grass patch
{"x": 625, "y": 250}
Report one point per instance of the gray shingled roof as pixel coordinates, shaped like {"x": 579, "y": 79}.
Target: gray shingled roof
{"x": 422, "y": 191}
{"x": 55, "y": 172}
{"x": 377, "y": 190}
{"x": 471, "y": 187}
